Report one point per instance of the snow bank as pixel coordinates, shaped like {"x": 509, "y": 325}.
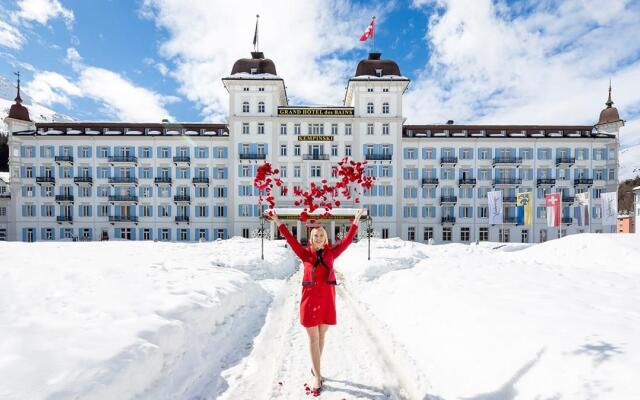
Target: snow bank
{"x": 111, "y": 320}
{"x": 555, "y": 320}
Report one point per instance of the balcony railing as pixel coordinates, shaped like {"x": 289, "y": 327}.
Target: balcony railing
{"x": 467, "y": 182}
{"x": 64, "y": 198}
{"x": 5, "y": 195}
{"x": 59, "y": 159}
{"x": 568, "y": 199}
{"x": 546, "y": 182}
{"x": 507, "y": 181}
{"x": 123, "y": 159}
{"x": 583, "y": 181}
{"x": 315, "y": 156}
{"x": 181, "y": 159}
{"x": 200, "y": 180}
{"x": 448, "y": 199}
{"x": 64, "y": 218}
{"x": 509, "y": 199}
{"x": 253, "y": 156}
{"x": 125, "y": 198}
{"x": 123, "y": 180}
{"x": 565, "y": 161}
{"x": 448, "y": 160}
{"x": 430, "y": 181}
{"x": 182, "y": 218}
{"x": 448, "y": 220}
{"x": 162, "y": 179}
{"x": 83, "y": 179}
{"x": 181, "y": 198}
{"x": 46, "y": 179}
{"x": 123, "y": 218}
{"x": 567, "y": 220}
{"x": 507, "y": 160}
{"x": 510, "y": 220}
{"x": 378, "y": 157}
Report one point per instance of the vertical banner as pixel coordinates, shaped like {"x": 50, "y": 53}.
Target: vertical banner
{"x": 552, "y": 201}
{"x": 496, "y": 214}
{"x": 524, "y": 205}
{"x": 609, "y": 208}
{"x": 581, "y": 212}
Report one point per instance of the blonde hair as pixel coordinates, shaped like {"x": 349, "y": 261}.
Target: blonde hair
{"x": 324, "y": 232}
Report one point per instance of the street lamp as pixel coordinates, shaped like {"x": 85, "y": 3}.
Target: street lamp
{"x": 261, "y": 233}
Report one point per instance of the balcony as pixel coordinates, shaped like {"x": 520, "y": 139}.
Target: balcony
{"x": 181, "y": 160}
{"x": 123, "y": 159}
{"x": 448, "y": 160}
{"x": 565, "y": 161}
{"x": 509, "y": 199}
{"x": 510, "y": 220}
{"x": 377, "y": 157}
{"x": 200, "y": 180}
{"x": 181, "y": 198}
{"x": 448, "y": 220}
{"x": 430, "y": 181}
{"x": 83, "y": 179}
{"x": 45, "y": 180}
{"x": 123, "y": 198}
{"x": 64, "y": 218}
{"x": 162, "y": 180}
{"x": 63, "y": 159}
{"x": 253, "y": 156}
{"x": 568, "y": 199}
{"x": 507, "y": 160}
{"x": 182, "y": 218}
{"x": 123, "y": 218}
{"x": 467, "y": 182}
{"x": 448, "y": 199}
{"x": 123, "y": 180}
{"x": 315, "y": 156}
{"x": 64, "y": 198}
{"x": 546, "y": 182}
{"x": 566, "y": 220}
{"x": 583, "y": 182}
{"x": 5, "y": 195}
{"x": 507, "y": 181}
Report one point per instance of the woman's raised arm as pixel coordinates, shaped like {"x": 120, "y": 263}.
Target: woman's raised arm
{"x": 293, "y": 242}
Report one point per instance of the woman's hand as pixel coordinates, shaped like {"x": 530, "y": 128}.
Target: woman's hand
{"x": 274, "y": 218}
{"x": 358, "y": 215}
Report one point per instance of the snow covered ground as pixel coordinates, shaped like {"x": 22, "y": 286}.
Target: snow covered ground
{"x": 143, "y": 320}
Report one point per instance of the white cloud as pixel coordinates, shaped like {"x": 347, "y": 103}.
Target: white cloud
{"x": 51, "y": 87}
{"x": 309, "y": 42}
{"x": 42, "y": 11}
{"x": 163, "y": 69}
{"x": 489, "y": 63}
{"x": 10, "y": 36}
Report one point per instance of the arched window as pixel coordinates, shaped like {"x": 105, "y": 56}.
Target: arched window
{"x": 245, "y": 107}
{"x": 385, "y": 108}
{"x": 369, "y": 108}
{"x": 261, "y": 107}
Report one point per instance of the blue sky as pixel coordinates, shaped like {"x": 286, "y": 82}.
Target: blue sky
{"x": 474, "y": 61}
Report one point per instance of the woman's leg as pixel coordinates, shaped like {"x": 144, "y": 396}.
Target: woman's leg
{"x": 314, "y": 347}
{"x": 323, "y": 332}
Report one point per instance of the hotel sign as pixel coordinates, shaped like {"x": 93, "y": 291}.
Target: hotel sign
{"x": 315, "y": 138}
{"x": 316, "y": 111}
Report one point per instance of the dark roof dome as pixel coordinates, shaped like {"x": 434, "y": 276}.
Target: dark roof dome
{"x": 17, "y": 110}
{"x": 374, "y": 63}
{"x": 609, "y": 114}
{"x": 257, "y": 63}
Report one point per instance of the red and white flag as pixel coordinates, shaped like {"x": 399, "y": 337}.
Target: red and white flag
{"x": 552, "y": 201}
{"x": 369, "y": 31}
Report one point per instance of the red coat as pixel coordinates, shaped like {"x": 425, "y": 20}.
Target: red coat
{"x": 309, "y": 257}
{"x": 318, "y": 302}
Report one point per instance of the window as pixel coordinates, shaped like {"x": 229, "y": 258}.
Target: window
{"x": 283, "y": 171}
{"x": 261, "y": 128}
{"x": 260, "y": 89}
{"x": 245, "y": 128}
{"x": 484, "y": 234}
{"x": 334, "y": 150}
{"x": 483, "y": 212}
{"x": 385, "y": 108}
{"x": 261, "y": 106}
{"x": 411, "y": 233}
{"x": 524, "y": 236}
{"x": 296, "y": 129}
{"x": 315, "y": 171}
{"x": 369, "y": 129}
{"x": 245, "y": 106}
{"x": 347, "y": 150}
{"x": 296, "y": 150}
{"x": 283, "y": 150}
{"x": 385, "y": 129}
{"x": 446, "y": 234}
{"x": 347, "y": 130}
{"x": 385, "y": 89}
{"x": 245, "y": 89}
{"x": 370, "y": 90}
{"x": 317, "y": 129}
{"x": 465, "y": 234}
{"x": 385, "y": 233}
{"x": 283, "y": 129}
{"x": 334, "y": 129}
{"x": 385, "y": 171}
{"x": 369, "y": 108}
{"x": 296, "y": 171}
{"x": 428, "y": 233}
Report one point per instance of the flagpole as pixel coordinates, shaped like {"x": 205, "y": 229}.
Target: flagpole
{"x": 257, "y": 36}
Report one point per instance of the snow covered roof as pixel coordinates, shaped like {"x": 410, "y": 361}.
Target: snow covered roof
{"x": 336, "y": 213}
{"x": 4, "y": 176}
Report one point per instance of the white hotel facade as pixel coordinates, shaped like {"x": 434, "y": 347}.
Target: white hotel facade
{"x": 193, "y": 181}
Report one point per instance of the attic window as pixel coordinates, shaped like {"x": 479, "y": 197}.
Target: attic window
{"x": 254, "y": 70}
{"x": 261, "y": 89}
{"x": 378, "y": 72}
{"x": 245, "y": 89}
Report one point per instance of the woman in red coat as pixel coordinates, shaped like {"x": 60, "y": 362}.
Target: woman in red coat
{"x": 318, "y": 304}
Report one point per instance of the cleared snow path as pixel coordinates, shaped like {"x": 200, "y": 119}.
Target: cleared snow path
{"x": 355, "y": 364}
